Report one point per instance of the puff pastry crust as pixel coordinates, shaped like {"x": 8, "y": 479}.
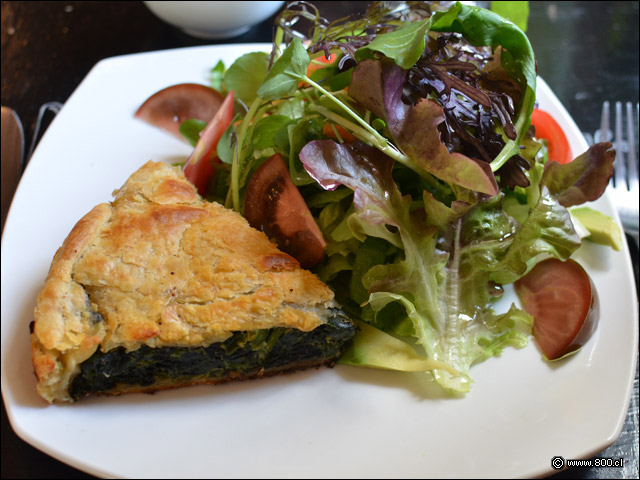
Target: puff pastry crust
{"x": 161, "y": 267}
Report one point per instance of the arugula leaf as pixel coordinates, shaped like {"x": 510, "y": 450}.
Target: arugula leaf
{"x": 340, "y": 81}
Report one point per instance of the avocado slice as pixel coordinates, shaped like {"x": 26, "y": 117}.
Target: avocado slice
{"x": 373, "y": 348}
{"x": 602, "y": 229}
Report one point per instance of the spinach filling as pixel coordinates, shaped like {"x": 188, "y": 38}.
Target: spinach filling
{"x": 244, "y": 353}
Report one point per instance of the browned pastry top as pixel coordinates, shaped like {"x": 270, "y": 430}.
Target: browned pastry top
{"x": 160, "y": 266}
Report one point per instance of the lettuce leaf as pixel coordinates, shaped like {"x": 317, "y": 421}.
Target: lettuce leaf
{"x": 377, "y": 85}
{"x": 547, "y": 232}
{"x": 483, "y": 27}
{"x": 582, "y": 180}
{"x": 443, "y": 279}
{"x": 516, "y": 12}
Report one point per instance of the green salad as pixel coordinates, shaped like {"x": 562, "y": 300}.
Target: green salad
{"x": 394, "y": 156}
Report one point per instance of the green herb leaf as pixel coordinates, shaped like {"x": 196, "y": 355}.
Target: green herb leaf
{"x": 340, "y": 81}
{"x": 294, "y": 107}
{"x": 483, "y": 27}
{"x": 286, "y": 73}
{"x": 268, "y": 131}
{"x": 372, "y": 252}
{"x": 327, "y": 197}
{"x": 190, "y": 130}
{"x": 516, "y": 12}
{"x": 216, "y": 77}
{"x": 403, "y": 45}
{"x": 227, "y": 144}
{"x": 299, "y": 135}
{"x": 246, "y": 74}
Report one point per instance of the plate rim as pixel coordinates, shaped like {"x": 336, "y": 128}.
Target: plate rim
{"x": 87, "y": 467}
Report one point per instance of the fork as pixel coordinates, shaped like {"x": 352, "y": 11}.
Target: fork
{"x": 41, "y": 124}
{"x": 624, "y": 183}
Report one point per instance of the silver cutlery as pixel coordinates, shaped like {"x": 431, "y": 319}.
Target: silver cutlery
{"x": 14, "y": 157}
{"x": 12, "y": 146}
{"x": 624, "y": 183}
{"x": 54, "y": 108}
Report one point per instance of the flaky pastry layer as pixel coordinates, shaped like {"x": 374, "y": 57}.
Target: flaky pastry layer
{"x": 160, "y": 266}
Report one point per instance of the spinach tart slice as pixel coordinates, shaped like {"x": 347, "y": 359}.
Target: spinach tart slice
{"x": 162, "y": 289}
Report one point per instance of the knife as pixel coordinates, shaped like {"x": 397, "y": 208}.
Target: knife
{"x": 12, "y": 148}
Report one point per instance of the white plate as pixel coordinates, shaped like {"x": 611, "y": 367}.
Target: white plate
{"x": 345, "y": 422}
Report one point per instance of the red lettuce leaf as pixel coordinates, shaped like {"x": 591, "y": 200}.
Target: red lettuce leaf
{"x": 363, "y": 169}
{"x": 377, "y": 85}
{"x": 582, "y": 180}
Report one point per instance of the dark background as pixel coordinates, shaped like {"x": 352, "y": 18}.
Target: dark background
{"x": 587, "y": 52}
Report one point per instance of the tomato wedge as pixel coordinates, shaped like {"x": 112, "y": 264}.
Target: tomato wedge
{"x": 317, "y": 64}
{"x": 200, "y": 168}
{"x": 345, "y": 134}
{"x": 313, "y": 66}
{"x": 169, "y": 107}
{"x": 548, "y": 129}
{"x": 564, "y": 304}
{"x": 274, "y": 205}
